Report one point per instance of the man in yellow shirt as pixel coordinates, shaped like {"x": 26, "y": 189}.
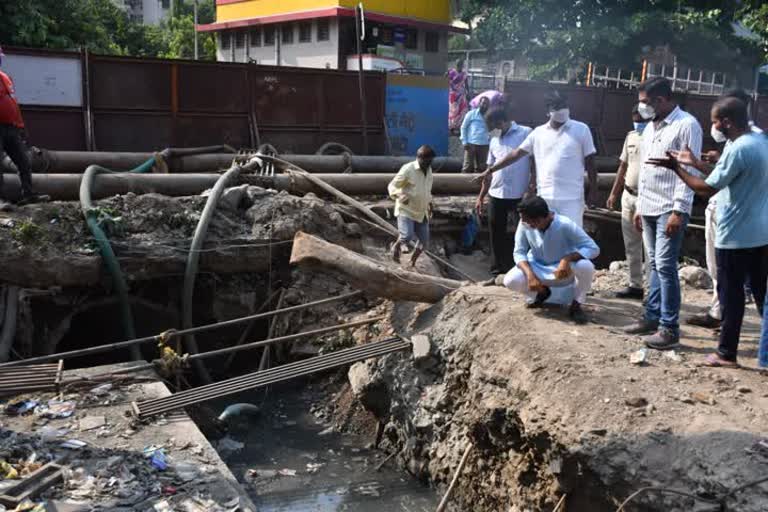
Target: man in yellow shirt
{"x": 411, "y": 189}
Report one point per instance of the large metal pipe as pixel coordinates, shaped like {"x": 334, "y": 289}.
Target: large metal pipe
{"x": 66, "y": 162}
{"x": 65, "y": 187}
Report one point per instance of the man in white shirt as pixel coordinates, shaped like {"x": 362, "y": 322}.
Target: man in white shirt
{"x": 713, "y": 317}
{"x": 664, "y": 204}
{"x": 506, "y": 187}
{"x": 562, "y": 150}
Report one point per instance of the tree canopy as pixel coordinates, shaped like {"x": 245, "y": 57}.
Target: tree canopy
{"x": 102, "y": 27}
{"x": 555, "y": 35}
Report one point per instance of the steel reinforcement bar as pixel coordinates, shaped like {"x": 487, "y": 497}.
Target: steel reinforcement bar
{"x": 281, "y": 373}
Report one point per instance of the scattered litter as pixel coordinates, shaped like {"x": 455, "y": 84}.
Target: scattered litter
{"x": 286, "y": 472}
{"x": 314, "y": 467}
{"x": 262, "y": 473}
{"x": 92, "y": 422}
{"x": 158, "y": 460}
{"x": 48, "y": 432}
{"x": 7, "y": 471}
{"x": 74, "y": 444}
{"x": 327, "y": 431}
{"x": 185, "y": 471}
{"x": 22, "y": 407}
{"x": 639, "y": 357}
{"x": 227, "y": 445}
{"x": 163, "y": 506}
{"x": 102, "y": 390}
{"x": 56, "y": 409}
{"x": 673, "y": 356}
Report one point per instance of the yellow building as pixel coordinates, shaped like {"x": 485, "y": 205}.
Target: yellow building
{"x": 321, "y": 33}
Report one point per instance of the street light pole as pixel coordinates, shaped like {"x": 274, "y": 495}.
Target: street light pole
{"x": 194, "y": 10}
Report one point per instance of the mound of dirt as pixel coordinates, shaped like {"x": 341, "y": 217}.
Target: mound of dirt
{"x": 552, "y": 408}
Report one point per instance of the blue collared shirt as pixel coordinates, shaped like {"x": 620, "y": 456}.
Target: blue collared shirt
{"x": 473, "y": 129}
{"x": 510, "y": 182}
{"x": 544, "y": 250}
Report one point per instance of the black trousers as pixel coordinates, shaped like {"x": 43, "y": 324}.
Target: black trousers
{"x": 502, "y": 245}
{"x": 13, "y": 145}
{"x": 733, "y": 268}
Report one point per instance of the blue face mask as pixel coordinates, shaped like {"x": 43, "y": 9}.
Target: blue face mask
{"x": 639, "y": 127}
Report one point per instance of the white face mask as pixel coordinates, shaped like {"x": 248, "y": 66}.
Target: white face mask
{"x": 560, "y": 116}
{"x": 719, "y": 136}
{"x": 645, "y": 110}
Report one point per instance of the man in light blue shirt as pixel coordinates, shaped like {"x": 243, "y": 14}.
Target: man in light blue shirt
{"x": 740, "y": 179}
{"x": 551, "y": 251}
{"x": 505, "y": 187}
{"x": 474, "y": 137}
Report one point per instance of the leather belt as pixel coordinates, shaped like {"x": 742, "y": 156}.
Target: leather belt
{"x": 630, "y": 190}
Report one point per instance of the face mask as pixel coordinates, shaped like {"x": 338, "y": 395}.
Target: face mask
{"x": 560, "y": 116}
{"x": 639, "y": 127}
{"x": 645, "y": 110}
{"x": 717, "y": 135}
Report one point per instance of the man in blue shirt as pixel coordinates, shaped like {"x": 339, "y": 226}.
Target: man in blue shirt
{"x": 474, "y": 136}
{"x": 506, "y": 187}
{"x": 740, "y": 179}
{"x": 551, "y": 251}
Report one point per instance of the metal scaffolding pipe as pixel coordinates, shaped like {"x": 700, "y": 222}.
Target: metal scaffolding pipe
{"x": 66, "y": 162}
{"x": 65, "y": 187}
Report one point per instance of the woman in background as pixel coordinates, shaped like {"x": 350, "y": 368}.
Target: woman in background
{"x": 457, "y": 96}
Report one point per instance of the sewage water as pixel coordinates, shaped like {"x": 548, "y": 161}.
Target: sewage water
{"x": 291, "y": 461}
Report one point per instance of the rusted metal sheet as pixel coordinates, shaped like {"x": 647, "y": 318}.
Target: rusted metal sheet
{"x": 196, "y": 130}
{"x": 55, "y": 127}
{"x": 212, "y": 88}
{"x": 132, "y": 131}
{"x": 130, "y": 84}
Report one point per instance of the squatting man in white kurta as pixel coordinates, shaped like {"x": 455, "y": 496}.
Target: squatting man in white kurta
{"x": 551, "y": 251}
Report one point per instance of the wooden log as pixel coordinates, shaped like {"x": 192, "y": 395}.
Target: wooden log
{"x": 368, "y": 275}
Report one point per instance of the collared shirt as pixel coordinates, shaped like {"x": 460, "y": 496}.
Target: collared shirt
{"x": 741, "y": 176}
{"x": 630, "y": 154}
{"x": 415, "y": 187}
{"x": 9, "y": 108}
{"x": 544, "y": 250}
{"x": 511, "y": 181}
{"x": 661, "y": 191}
{"x": 473, "y": 129}
{"x": 559, "y": 155}
{"x": 754, "y": 129}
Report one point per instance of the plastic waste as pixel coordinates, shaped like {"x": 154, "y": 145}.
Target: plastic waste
{"x": 102, "y": 390}
{"x": 56, "y": 409}
{"x": 237, "y": 410}
{"x": 158, "y": 460}
{"x": 22, "y": 407}
{"x": 7, "y": 471}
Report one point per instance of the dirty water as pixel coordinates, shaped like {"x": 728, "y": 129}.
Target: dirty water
{"x": 291, "y": 461}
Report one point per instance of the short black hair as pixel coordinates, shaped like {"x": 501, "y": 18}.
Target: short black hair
{"x": 533, "y": 207}
{"x": 733, "y": 109}
{"x": 428, "y": 152}
{"x": 738, "y": 93}
{"x": 496, "y": 115}
{"x": 556, "y": 99}
{"x": 658, "y": 86}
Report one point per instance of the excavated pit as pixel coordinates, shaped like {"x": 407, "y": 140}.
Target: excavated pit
{"x": 552, "y": 408}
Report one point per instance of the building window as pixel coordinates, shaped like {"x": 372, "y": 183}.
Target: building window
{"x": 286, "y": 32}
{"x": 240, "y": 39}
{"x": 323, "y": 29}
{"x": 255, "y": 37}
{"x": 269, "y": 36}
{"x": 432, "y": 42}
{"x": 386, "y": 36}
{"x": 226, "y": 40}
{"x": 166, "y": 4}
{"x": 411, "y": 38}
{"x": 305, "y": 32}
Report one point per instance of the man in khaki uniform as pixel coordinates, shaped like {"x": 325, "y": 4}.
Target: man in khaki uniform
{"x": 627, "y": 178}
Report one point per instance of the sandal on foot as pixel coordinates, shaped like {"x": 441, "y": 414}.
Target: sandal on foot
{"x": 716, "y": 361}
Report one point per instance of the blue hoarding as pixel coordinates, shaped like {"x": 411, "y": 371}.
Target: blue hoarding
{"x": 417, "y": 113}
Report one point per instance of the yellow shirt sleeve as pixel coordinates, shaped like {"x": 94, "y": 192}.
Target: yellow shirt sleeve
{"x": 399, "y": 183}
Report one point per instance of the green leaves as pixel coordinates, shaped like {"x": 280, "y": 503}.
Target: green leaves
{"x": 101, "y": 27}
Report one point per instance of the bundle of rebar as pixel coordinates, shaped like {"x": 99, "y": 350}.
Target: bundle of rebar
{"x": 258, "y": 379}
{"x": 28, "y": 378}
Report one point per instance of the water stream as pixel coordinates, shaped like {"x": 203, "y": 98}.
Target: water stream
{"x": 333, "y": 471}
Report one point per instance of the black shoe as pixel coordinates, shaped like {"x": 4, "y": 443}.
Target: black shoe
{"x": 541, "y": 297}
{"x": 577, "y": 314}
{"x": 642, "y": 327}
{"x": 664, "y": 339}
{"x": 630, "y": 292}
{"x": 31, "y": 197}
{"x": 705, "y": 320}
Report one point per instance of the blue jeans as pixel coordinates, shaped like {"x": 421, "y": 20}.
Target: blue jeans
{"x": 762, "y": 353}
{"x": 411, "y": 230}
{"x": 663, "y": 303}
